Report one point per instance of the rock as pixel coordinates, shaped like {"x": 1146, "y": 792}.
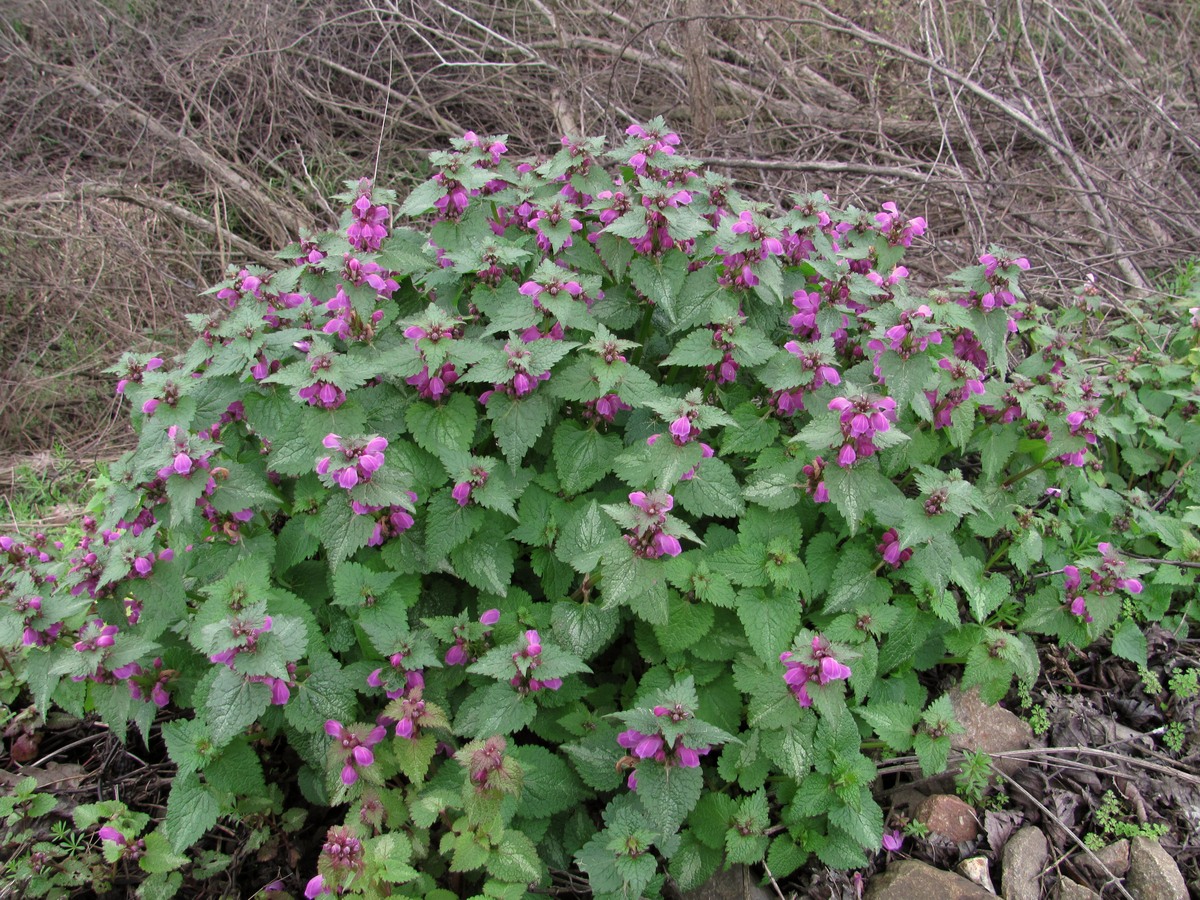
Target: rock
{"x": 735, "y": 883}
{"x": 1115, "y": 857}
{"x": 1072, "y": 890}
{"x": 991, "y": 729}
{"x": 976, "y": 869}
{"x": 1023, "y": 859}
{"x": 909, "y": 879}
{"x": 1153, "y": 875}
{"x": 946, "y": 815}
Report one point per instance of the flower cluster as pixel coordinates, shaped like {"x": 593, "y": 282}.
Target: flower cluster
{"x": 353, "y": 745}
{"x": 487, "y": 766}
{"x": 390, "y": 520}
{"x": 655, "y": 745}
{"x": 527, "y": 660}
{"x": 649, "y": 539}
{"x": 1106, "y": 580}
{"x": 815, "y": 665}
{"x": 367, "y": 227}
{"x": 459, "y": 654}
{"x": 862, "y": 418}
{"x": 889, "y": 548}
{"x": 363, "y": 457}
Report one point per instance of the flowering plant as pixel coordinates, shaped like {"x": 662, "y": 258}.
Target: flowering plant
{"x": 608, "y": 521}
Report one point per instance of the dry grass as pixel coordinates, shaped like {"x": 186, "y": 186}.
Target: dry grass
{"x": 151, "y": 143}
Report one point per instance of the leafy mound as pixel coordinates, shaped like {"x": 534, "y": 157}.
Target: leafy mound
{"x": 608, "y": 523}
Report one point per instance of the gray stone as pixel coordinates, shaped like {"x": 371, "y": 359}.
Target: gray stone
{"x": 1022, "y": 862}
{"x": 735, "y": 883}
{"x": 991, "y": 729}
{"x": 946, "y": 815}
{"x": 1153, "y": 875}
{"x": 976, "y": 869}
{"x": 1115, "y": 858}
{"x": 909, "y": 879}
{"x": 1073, "y": 890}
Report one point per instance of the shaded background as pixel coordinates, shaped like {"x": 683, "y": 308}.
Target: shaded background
{"x": 149, "y": 144}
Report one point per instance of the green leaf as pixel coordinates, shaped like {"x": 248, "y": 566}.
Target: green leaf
{"x": 932, "y": 753}
{"x": 413, "y": 756}
{"x": 486, "y": 565}
{"x": 855, "y": 584}
{"x": 343, "y": 532}
{"x": 784, "y": 857}
{"x": 1128, "y": 642}
{"x": 329, "y": 692}
{"x": 693, "y": 863}
{"x": 687, "y": 624}
{"x": 595, "y": 757}
{"x": 660, "y": 279}
{"x": 237, "y": 770}
{"x": 495, "y": 709}
{"x": 582, "y": 456}
{"x": 791, "y": 748}
{"x": 745, "y": 848}
{"x": 893, "y": 722}
{"x": 515, "y": 859}
{"x": 863, "y": 820}
{"x": 585, "y": 536}
{"x": 449, "y": 525}
{"x": 191, "y": 811}
{"x": 549, "y": 785}
{"x": 422, "y": 199}
{"x": 442, "y": 428}
{"x": 584, "y": 629}
{"x": 158, "y": 856}
{"x": 770, "y": 622}
{"x": 232, "y": 705}
{"x": 696, "y": 349}
{"x": 518, "y": 423}
{"x": 712, "y": 491}
{"x": 668, "y": 793}
{"x": 854, "y": 490}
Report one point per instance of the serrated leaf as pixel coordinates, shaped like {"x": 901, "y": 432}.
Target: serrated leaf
{"x": 687, "y": 624}
{"x": 712, "y": 491}
{"x": 893, "y": 722}
{"x": 660, "y": 279}
{"x": 441, "y": 428}
{"x": 582, "y": 540}
{"x": 932, "y": 753}
{"x": 518, "y": 423}
{"x": 1128, "y": 642}
{"x": 495, "y": 709}
{"x": 328, "y": 692}
{"x": 855, "y": 584}
{"x": 582, "y": 456}
{"x": 693, "y": 864}
{"x": 770, "y": 622}
{"x": 785, "y": 857}
{"x": 232, "y": 705}
{"x": 486, "y": 565}
{"x": 668, "y": 793}
{"x": 549, "y": 785}
{"x": 413, "y": 756}
{"x": 342, "y": 532}
{"x": 191, "y": 811}
{"x": 515, "y": 859}
{"x": 584, "y": 629}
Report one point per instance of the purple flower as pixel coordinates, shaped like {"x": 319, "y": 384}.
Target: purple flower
{"x": 108, "y": 833}
{"x": 892, "y": 840}
{"x": 355, "y": 746}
